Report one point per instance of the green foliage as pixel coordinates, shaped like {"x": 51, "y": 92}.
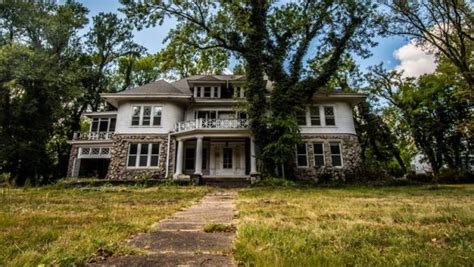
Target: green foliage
{"x": 36, "y": 80}
{"x": 274, "y": 182}
{"x": 431, "y": 111}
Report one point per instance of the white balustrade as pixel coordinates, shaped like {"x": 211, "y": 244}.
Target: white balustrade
{"x": 211, "y": 124}
{"x": 92, "y": 136}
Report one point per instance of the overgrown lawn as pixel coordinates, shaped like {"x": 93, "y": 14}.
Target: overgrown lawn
{"x": 410, "y": 226}
{"x": 61, "y": 226}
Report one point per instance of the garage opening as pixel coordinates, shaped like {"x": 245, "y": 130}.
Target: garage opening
{"x": 94, "y": 168}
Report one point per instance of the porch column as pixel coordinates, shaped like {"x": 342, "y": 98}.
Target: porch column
{"x": 253, "y": 159}
{"x": 179, "y": 159}
{"x": 198, "y": 167}
{"x": 76, "y": 165}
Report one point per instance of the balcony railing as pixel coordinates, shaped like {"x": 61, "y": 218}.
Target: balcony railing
{"x": 92, "y": 136}
{"x": 211, "y": 124}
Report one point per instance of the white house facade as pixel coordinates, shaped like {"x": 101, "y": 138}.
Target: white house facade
{"x": 194, "y": 126}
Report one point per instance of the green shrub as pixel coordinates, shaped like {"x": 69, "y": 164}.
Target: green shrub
{"x": 420, "y": 178}
{"x": 449, "y": 176}
{"x": 274, "y": 182}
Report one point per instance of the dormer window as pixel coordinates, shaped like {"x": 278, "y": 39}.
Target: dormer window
{"x": 206, "y": 92}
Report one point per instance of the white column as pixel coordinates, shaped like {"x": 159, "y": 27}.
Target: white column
{"x": 198, "y": 167}
{"x": 253, "y": 159}
{"x": 179, "y": 159}
{"x": 196, "y": 91}
{"x": 218, "y": 92}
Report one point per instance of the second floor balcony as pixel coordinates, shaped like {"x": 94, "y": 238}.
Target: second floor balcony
{"x": 92, "y": 136}
{"x": 211, "y": 124}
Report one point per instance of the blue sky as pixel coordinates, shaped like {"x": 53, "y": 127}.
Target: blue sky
{"x": 152, "y": 38}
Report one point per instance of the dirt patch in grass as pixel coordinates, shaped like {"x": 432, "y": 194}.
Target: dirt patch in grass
{"x": 69, "y": 226}
{"x": 222, "y": 228}
{"x": 304, "y": 226}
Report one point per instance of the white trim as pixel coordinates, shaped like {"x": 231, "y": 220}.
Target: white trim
{"x": 148, "y": 155}
{"x": 140, "y": 118}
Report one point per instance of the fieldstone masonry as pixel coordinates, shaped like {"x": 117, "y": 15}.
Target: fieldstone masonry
{"x": 350, "y": 150}
{"x": 118, "y": 162}
{"x": 72, "y": 158}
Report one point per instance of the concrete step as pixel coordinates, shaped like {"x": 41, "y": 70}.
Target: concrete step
{"x": 227, "y": 182}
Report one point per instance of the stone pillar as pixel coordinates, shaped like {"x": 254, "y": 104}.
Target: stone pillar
{"x": 198, "y": 167}
{"x": 253, "y": 159}
{"x": 179, "y": 159}
{"x": 75, "y": 168}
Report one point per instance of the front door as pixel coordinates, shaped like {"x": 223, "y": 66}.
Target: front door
{"x": 228, "y": 160}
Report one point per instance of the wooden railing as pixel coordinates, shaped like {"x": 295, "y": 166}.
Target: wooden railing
{"x": 92, "y": 136}
{"x": 211, "y": 124}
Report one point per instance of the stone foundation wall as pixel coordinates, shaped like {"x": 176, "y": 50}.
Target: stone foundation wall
{"x": 72, "y": 157}
{"x": 350, "y": 150}
{"x": 118, "y": 162}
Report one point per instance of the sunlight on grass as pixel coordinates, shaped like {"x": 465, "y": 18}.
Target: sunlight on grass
{"x": 420, "y": 226}
{"x": 67, "y": 226}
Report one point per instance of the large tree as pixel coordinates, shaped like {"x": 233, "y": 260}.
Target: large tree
{"x": 433, "y": 111}
{"x": 273, "y": 39}
{"x": 37, "y": 65}
{"x": 443, "y": 26}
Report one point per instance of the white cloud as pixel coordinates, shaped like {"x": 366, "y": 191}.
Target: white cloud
{"x": 414, "y": 62}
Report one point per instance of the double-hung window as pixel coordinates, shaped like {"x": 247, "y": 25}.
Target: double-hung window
{"x": 301, "y": 117}
{"x": 301, "y": 156}
{"x": 143, "y": 155}
{"x": 315, "y": 116}
{"x": 207, "y": 91}
{"x": 318, "y": 149}
{"x": 136, "y": 115}
{"x": 156, "y": 116}
{"x": 336, "y": 155}
{"x": 329, "y": 117}
{"x": 146, "y": 116}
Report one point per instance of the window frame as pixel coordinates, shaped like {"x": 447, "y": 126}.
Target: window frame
{"x": 339, "y": 143}
{"x": 305, "y": 112}
{"x": 306, "y": 156}
{"x": 139, "y": 154}
{"x": 99, "y": 120}
{"x": 325, "y": 117}
{"x": 317, "y": 154}
{"x": 318, "y": 107}
{"x": 151, "y": 117}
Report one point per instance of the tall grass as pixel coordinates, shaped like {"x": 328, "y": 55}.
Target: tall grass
{"x": 409, "y": 226}
{"x": 59, "y": 226}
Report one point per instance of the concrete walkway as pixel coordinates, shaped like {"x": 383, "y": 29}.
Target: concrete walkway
{"x": 180, "y": 240}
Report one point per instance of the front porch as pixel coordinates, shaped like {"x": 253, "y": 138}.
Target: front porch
{"x": 215, "y": 157}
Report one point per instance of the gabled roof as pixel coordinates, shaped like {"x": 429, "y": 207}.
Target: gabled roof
{"x": 160, "y": 87}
